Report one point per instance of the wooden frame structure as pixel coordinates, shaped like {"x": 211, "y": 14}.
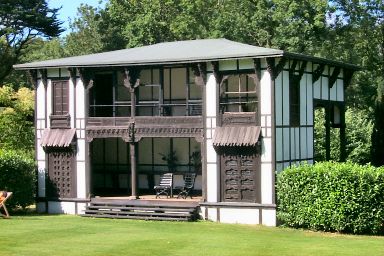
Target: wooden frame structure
{"x": 248, "y": 110}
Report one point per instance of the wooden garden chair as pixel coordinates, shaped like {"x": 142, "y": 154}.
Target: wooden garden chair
{"x": 2, "y": 203}
{"x": 165, "y": 185}
{"x": 189, "y": 183}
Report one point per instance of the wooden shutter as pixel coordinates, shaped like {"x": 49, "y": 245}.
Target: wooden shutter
{"x": 60, "y": 97}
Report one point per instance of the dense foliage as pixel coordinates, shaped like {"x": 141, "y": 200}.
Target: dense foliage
{"x": 358, "y": 132}
{"x": 329, "y": 196}
{"x": 17, "y": 174}
{"x": 16, "y": 119}
{"x": 20, "y": 22}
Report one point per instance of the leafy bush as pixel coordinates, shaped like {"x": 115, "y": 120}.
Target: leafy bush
{"x": 358, "y": 137}
{"x": 329, "y": 196}
{"x": 17, "y": 174}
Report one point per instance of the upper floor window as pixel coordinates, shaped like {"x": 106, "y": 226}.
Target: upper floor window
{"x": 238, "y": 94}
{"x": 60, "y": 97}
{"x": 294, "y": 99}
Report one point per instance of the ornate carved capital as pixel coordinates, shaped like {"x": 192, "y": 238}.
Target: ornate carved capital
{"x": 199, "y": 71}
{"x": 72, "y": 75}
{"x": 216, "y": 72}
{"x": 131, "y": 78}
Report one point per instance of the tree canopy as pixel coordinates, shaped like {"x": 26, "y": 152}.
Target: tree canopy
{"x": 349, "y": 31}
{"x": 20, "y": 22}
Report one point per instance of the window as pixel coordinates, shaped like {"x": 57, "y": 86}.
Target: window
{"x": 238, "y": 94}
{"x": 60, "y": 97}
{"x": 294, "y": 99}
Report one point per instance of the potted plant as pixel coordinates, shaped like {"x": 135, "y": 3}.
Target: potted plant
{"x": 195, "y": 159}
{"x": 171, "y": 160}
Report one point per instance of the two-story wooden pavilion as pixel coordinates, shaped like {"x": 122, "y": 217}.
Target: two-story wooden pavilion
{"x": 104, "y": 122}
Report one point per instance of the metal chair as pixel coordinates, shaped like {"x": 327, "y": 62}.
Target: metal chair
{"x": 3, "y": 198}
{"x": 165, "y": 185}
{"x": 189, "y": 183}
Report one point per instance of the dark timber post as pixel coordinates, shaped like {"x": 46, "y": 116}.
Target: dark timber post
{"x": 327, "y": 132}
{"x": 132, "y": 81}
{"x": 342, "y": 134}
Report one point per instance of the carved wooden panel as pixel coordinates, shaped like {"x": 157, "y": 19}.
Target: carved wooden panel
{"x": 110, "y": 132}
{"x": 60, "y": 121}
{"x": 61, "y": 174}
{"x": 240, "y": 178}
{"x": 239, "y": 119}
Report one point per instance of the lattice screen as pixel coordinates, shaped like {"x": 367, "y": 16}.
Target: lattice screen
{"x": 62, "y": 174}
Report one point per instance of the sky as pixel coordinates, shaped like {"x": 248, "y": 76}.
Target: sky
{"x": 69, "y": 9}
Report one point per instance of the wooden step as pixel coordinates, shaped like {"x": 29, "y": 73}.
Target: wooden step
{"x": 136, "y": 217}
{"x": 142, "y": 209}
{"x": 131, "y": 208}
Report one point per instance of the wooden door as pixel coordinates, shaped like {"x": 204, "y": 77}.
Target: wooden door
{"x": 61, "y": 182}
{"x": 240, "y": 177}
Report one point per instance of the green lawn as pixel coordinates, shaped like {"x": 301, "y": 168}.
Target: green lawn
{"x": 73, "y": 235}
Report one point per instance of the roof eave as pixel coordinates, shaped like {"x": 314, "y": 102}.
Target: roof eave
{"x": 152, "y": 63}
{"x": 319, "y": 60}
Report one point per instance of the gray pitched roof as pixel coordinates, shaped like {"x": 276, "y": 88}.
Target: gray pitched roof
{"x": 175, "y": 52}
{"x": 162, "y": 53}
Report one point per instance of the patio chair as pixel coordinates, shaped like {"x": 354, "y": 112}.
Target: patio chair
{"x": 189, "y": 183}
{"x": 3, "y": 198}
{"x": 165, "y": 185}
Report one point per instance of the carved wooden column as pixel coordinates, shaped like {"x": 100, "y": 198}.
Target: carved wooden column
{"x": 132, "y": 81}
{"x": 199, "y": 71}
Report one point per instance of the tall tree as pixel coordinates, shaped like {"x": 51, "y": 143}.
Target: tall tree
{"x": 20, "y": 22}
{"x": 283, "y": 24}
{"x": 91, "y": 32}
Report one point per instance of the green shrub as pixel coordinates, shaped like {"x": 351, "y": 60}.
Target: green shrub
{"x": 329, "y": 196}
{"x": 17, "y": 174}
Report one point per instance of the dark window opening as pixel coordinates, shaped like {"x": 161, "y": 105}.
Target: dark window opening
{"x": 294, "y": 99}
{"x": 101, "y": 96}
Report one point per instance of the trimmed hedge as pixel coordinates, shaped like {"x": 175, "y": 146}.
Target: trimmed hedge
{"x": 329, "y": 196}
{"x": 17, "y": 174}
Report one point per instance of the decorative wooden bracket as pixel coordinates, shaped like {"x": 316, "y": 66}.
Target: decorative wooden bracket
{"x": 317, "y": 72}
{"x": 131, "y": 79}
{"x": 32, "y": 76}
{"x": 44, "y": 76}
{"x": 257, "y": 76}
{"x": 293, "y": 73}
{"x": 87, "y": 77}
{"x": 199, "y": 71}
{"x": 275, "y": 70}
{"x": 347, "y": 77}
{"x": 333, "y": 77}
{"x": 216, "y": 72}
{"x": 72, "y": 75}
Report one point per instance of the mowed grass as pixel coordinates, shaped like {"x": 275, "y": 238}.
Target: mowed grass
{"x": 74, "y": 235}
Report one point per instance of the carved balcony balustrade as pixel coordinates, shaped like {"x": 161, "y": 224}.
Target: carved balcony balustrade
{"x": 133, "y": 129}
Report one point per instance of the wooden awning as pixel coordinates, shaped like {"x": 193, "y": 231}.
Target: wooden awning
{"x": 236, "y": 136}
{"x": 57, "y": 137}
